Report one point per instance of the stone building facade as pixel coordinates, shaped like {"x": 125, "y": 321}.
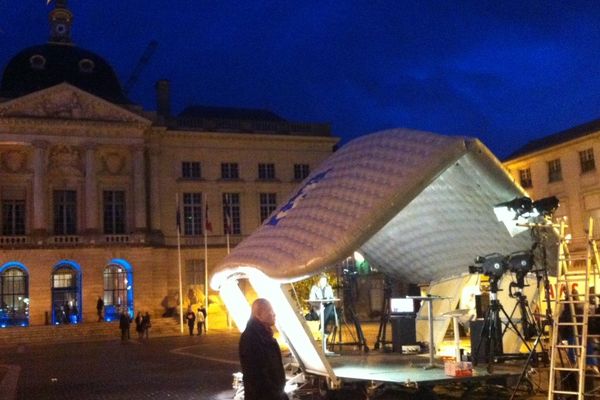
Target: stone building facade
{"x": 563, "y": 165}
{"x": 91, "y": 186}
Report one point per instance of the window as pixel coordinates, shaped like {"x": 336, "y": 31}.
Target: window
{"x": 229, "y": 171}
{"x": 118, "y": 289}
{"x": 66, "y": 295}
{"x": 268, "y": 203}
{"x": 192, "y": 213}
{"x": 231, "y": 213}
{"x": 266, "y": 171}
{"x": 301, "y": 171}
{"x": 65, "y": 212}
{"x": 554, "y": 171}
{"x": 194, "y": 272}
{"x": 14, "y": 297}
{"x": 115, "y": 289}
{"x": 191, "y": 170}
{"x": 586, "y": 159}
{"x": 114, "y": 212}
{"x": 13, "y": 217}
{"x": 525, "y": 177}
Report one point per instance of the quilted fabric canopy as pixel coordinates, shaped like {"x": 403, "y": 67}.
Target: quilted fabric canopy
{"x": 417, "y": 205}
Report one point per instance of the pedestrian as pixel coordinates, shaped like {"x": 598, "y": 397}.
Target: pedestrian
{"x": 191, "y": 320}
{"x": 138, "y": 325}
{"x": 124, "y": 322}
{"x": 204, "y": 313}
{"x": 200, "y": 321}
{"x": 260, "y": 356}
{"x": 146, "y": 325}
{"x": 100, "y": 308}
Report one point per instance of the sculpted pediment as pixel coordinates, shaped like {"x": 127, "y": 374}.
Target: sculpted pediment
{"x": 65, "y": 101}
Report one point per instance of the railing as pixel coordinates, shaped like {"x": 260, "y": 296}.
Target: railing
{"x": 14, "y": 240}
{"x": 66, "y": 239}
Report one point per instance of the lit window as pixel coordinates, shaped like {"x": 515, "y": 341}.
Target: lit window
{"x": 14, "y": 297}
{"x": 266, "y": 171}
{"x": 525, "y": 178}
{"x": 554, "y": 171}
{"x": 586, "y": 159}
{"x": 191, "y": 170}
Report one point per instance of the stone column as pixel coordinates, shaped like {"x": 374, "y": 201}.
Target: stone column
{"x": 139, "y": 188}
{"x": 155, "y": 223}
{"x": 91, "y": 189}
{"x": 40, "y": 187}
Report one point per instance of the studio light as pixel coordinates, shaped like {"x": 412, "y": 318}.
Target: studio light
{"x": 517, "y": 213}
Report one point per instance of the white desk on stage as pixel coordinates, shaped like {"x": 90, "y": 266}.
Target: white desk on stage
{"x": 322, "y": 303}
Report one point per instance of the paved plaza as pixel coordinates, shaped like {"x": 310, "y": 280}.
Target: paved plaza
{"x": 161, "y": 368}
{"x": 180, "y": 367}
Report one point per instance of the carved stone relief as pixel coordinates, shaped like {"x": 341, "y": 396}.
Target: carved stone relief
{"x": 114, "y": 163}
{"x": 65, "y": 160}
{"x": 14, "y": 161}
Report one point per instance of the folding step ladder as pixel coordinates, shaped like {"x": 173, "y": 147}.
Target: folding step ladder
{"x": 568, "y": 358}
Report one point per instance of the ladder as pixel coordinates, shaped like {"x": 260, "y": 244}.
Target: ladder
{"x": 568, "y": 358}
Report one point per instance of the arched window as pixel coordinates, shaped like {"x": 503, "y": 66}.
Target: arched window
{"x": 14, "y": 296}
{"x": 66, "y": 293}
{"x": 118, "y": 289}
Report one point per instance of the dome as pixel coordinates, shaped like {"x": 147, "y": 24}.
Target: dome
{"x": 40, "y": 67}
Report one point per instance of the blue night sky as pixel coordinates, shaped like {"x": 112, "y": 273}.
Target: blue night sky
{"x": 503, "y": 71}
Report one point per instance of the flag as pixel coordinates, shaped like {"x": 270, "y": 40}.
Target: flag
{"x": 227, "y": 212}
{"x": 207, "y": 223}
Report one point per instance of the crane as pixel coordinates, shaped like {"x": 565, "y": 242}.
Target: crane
{"x": 142, "y": 62}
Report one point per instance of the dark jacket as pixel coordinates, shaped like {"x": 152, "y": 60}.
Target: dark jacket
{"x": 264, "y": 377}
{"x": 124, "y": 321}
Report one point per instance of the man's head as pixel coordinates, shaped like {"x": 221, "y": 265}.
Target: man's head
{"x": 322, "y": 281}
{"x": 263, "y": 312}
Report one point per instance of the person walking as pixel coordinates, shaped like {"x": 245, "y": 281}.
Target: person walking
{"x": 138, "y": 325}
{"x": 146, "y": 324}
{"x": 124, "y": 322}
{"x": 191, "y": 320}
{"x": 100, "y": 308}
{"x": 260, "y": 357}
{"x": 200, "y": 321}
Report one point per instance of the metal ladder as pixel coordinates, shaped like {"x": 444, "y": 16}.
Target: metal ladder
{"x": 579, "y": 306}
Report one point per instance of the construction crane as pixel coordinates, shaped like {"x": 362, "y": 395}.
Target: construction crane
{"x": 142, "y": 62}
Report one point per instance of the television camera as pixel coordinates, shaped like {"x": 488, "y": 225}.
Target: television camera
{"x": 495, "y": 265}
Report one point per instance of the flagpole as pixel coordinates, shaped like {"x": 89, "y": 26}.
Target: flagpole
{"x": 205, "y": 261}
{"x": 229, "y": 220}
{"x": 179, "y": 263}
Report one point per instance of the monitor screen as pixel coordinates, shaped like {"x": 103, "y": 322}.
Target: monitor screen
{"x": 402, "y": 306}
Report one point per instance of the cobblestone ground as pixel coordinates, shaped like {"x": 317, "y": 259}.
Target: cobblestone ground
{"x": 161, "y": 368}
{"x": 137, "y": 370}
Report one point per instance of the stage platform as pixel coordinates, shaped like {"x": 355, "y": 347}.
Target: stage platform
{"x": 407, "y": 369}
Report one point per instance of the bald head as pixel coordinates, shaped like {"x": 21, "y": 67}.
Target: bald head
{"x": 262, "y": 311}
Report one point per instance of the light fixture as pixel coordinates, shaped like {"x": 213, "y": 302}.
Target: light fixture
{"x": 516, "y": 214}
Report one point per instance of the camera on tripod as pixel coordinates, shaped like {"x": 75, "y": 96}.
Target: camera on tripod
{"x": 493, "y": 265}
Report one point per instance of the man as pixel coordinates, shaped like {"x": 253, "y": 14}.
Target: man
{"x": 99, "y": 308}
{"x": 322, "y": 290}
{"x": 200, "y": 321}
{"x": 260, "y": 357}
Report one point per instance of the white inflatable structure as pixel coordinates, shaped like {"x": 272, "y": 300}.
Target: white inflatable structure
{"x": 418, "y": 206}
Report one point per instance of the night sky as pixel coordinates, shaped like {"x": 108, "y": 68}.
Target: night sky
{"x": 503, "y": 71}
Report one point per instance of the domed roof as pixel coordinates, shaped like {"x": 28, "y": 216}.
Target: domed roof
{"x": 43, "y": 66}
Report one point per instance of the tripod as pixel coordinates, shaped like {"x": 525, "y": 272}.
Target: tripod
{"x": 528, "y": 325}
{"x": 492, "y": 332}
{"x": 385, "y": 317}
{"x": 348, "y": 313}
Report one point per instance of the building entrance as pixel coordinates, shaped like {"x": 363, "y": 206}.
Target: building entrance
{"x": 66, "y": 295}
